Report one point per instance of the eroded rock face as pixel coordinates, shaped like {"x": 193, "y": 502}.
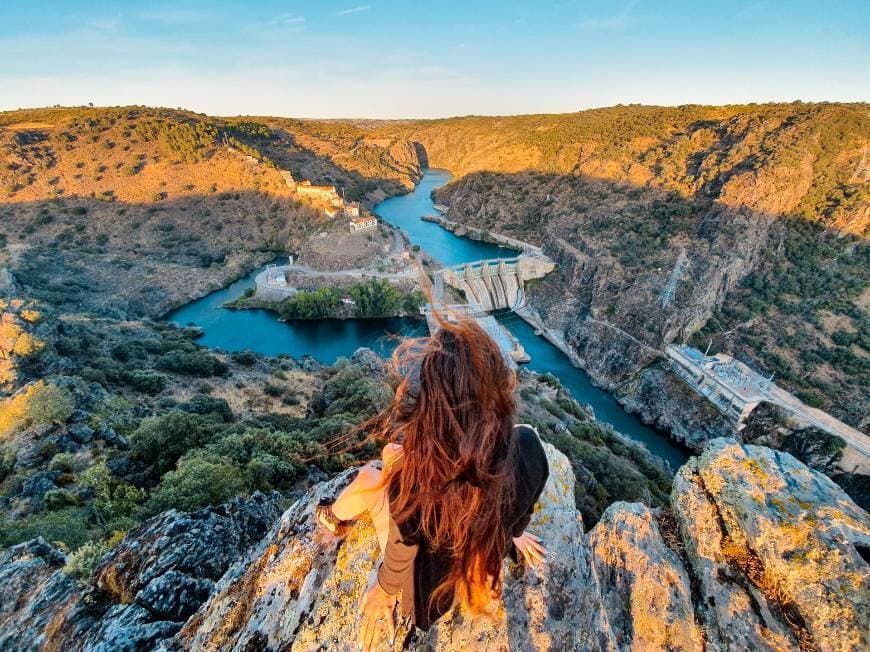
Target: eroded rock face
{"x": 662, "y": 399}
{"x": 144, "y": 589}
{"x": 300, "y": 589}
{"x": 194, "y": 548}
{"x": 759, "y": 552}
{"x": 776, "y": 548}
{"x": 643, "y": 584}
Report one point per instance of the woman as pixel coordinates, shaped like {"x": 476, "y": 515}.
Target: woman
{"x": 455, "y": 493}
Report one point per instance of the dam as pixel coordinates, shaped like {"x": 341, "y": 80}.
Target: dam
{"x": 488, "y": 285}
{"x": 499, "y": 282}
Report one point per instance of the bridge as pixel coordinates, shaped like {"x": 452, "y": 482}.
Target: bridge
{"x": 736, "y": 390}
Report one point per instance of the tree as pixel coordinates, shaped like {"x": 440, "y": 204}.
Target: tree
{"x": 197, "y": 482}
{"x": 112, "y": 500}
{"x": 49, "y": 404}
{"x": 161, "y": 441}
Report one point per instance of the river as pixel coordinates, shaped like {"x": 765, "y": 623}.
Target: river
{"x": 328, "y": 339}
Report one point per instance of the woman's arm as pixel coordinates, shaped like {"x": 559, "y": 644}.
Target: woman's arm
{"x": 398, "y": 561}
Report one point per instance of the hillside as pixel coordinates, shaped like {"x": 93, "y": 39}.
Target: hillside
{"x": 143, "y": 477}
{"x": 136, "y": 210}
{"x": 756, "y": 552}
{"x": 816, "y": 152}
{"x": 771, "y": 204}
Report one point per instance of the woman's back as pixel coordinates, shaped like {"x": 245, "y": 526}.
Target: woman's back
{"x": 414, "y": 567}
{"x": 464, "y": 491}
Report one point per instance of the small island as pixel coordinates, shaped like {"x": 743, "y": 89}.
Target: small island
{"x": 353, "y": 267}
{"x": 370, "y": 298}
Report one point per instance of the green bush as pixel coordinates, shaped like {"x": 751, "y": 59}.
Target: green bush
{"x": 144, "y": 381}
{"x": 64, "y": 462}
{"x": 112, "y": 499}
{"x": 815, "y": 448}
{"x": 70, "y": 526}
{"x": 160, "y": 441}
{"x": 195, "y": 363}
{"x": 60, "y": 499}
{"x": 82, "y": 562}
{"x": 246, "y": 357}
{"x": 49, "y": 404}
{"x": 208, "y": 405}
{"x": 197, "y": 483}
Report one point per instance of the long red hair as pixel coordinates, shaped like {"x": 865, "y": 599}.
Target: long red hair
{"x": 453, "y": 413}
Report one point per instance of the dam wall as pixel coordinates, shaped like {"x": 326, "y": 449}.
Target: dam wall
{"x": 497, "y": 283}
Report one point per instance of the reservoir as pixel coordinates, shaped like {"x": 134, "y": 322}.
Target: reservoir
{"x": 328, "y": 339}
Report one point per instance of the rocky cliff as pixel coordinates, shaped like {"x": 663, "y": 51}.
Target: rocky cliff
{"x": 768, "y": 204}
{"x": 756, "y": 552}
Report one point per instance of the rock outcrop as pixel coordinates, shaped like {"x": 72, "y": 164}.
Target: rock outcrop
{"x": 779, "y": 551}
{"x": 143, "y": 590}
{"x": 758, "y": 552}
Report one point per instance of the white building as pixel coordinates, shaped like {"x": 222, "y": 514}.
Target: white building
{"x": 363, "y": 223}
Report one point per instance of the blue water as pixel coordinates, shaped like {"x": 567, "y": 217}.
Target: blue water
{"x": 405, "y": 211}
{"x": 326, "y": 340}
{"x": 547, "y": 358}
{"x": 260, "y": 331}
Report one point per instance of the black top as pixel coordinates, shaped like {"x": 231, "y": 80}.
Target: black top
{"x": 411, "y": 567}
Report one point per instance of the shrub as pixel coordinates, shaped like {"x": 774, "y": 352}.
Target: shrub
{"x": 815, "y": 448}
{"x": 144, "y": 381}
{"x": 208, "y": 405}
{"x": 195, "y": 363}
{"x": 82, "y": 563}
{"x": 197, "y": 483}
{"x": 112, "y": 499}
{"x": 245, "y": 357}
{"x": 273, "y": 390}
{"x": 49, "y": 404}
{"x": 70, "y": 527}
{"x": 64, "y": 462}
{"x": 60, "y": 499}
{"x": 161, "y": 441}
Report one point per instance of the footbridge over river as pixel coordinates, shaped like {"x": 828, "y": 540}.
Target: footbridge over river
{"x": 498, "y": 282}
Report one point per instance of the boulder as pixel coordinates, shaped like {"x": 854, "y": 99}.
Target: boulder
{"x": 198, "y": 545}
{"x": 776, "y": 549}
{"x": 643, "y": 585}
{"x": 144, "y": 589}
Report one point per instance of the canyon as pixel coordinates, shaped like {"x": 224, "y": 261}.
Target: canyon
{"x": 129, "y": 447}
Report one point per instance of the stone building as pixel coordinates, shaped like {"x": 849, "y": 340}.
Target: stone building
{"x": 363, "y": 223}
{"x": 351, "y": 209}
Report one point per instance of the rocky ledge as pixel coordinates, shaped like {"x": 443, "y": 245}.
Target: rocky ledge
{"x": 757, "y": 552}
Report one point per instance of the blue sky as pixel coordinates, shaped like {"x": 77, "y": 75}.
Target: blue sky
{"x": 372, "y": 58}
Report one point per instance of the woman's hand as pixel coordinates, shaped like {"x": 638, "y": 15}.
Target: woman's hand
{"x": 377, "y": 618}
{"x": 530, "y": 548}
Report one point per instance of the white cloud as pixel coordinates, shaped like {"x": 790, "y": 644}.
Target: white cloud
{"x": 286, "y": 19}
{"x": 353, "y": 10}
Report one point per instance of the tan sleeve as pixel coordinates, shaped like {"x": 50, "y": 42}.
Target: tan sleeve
{"x": 394, "y": 573}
